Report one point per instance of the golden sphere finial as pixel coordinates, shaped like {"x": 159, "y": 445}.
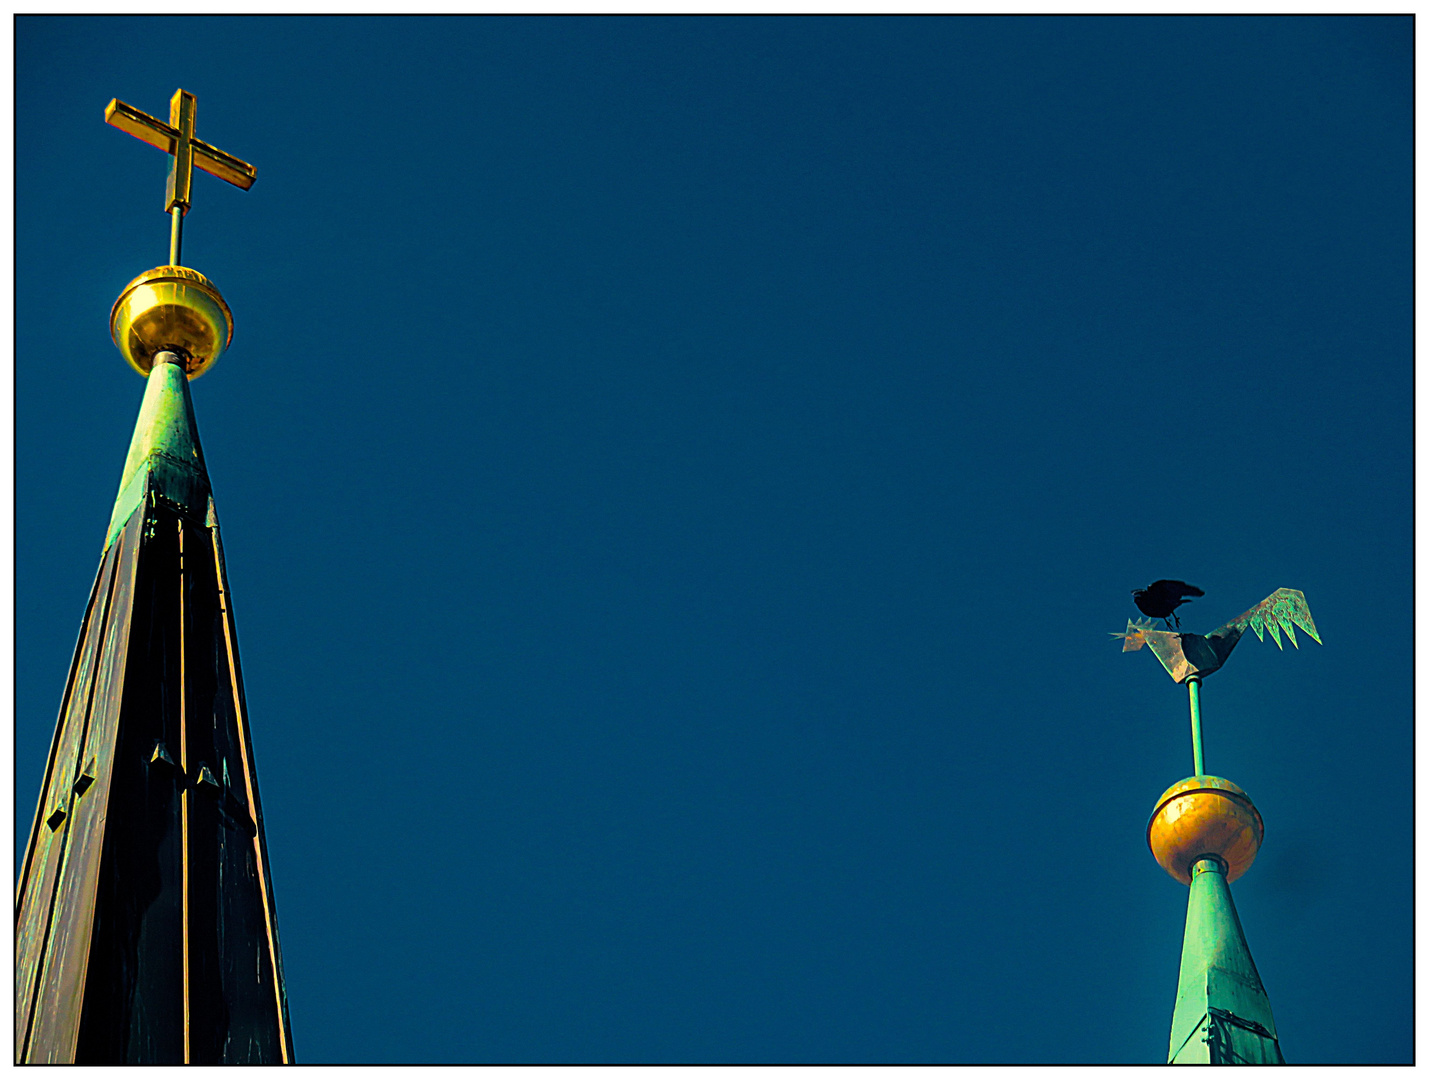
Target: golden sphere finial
{"x": 175, "y": 308}
{"x": 1204, "y": 816}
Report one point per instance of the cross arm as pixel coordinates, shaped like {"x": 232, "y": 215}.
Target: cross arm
{"x": 215, "y": 162}
{"x": 141, "y": 125}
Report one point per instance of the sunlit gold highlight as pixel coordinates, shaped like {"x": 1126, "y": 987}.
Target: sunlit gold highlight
{"x": 1204, "y": 816}
{"x": 175, "y": 308}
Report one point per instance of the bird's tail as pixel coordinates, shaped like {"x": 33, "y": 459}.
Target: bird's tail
{"x": 1284, "y": 609}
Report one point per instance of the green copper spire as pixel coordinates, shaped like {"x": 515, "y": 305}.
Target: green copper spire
{"x": 1205, "y": 833}
{"x": 145, "y": 925}
{"x": 164, "y": 456}
{"x": 1222, "y": 1012}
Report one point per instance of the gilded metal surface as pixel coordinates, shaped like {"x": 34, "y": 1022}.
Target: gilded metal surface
{"x": 175, "y": 308}
{"x": 1204, "y": 816}
{"x": 181, "y": 118}
{"x": 177, "y": 138}
{"x": 1185, "y": 655}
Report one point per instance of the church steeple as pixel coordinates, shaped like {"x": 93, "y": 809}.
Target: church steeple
{"x": 1205, "y": 832}
{"x": 145, "y": 926}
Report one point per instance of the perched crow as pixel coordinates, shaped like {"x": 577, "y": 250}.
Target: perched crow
{"x": 1160, "y": 599}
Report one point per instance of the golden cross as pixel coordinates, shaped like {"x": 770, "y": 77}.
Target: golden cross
{"x": 177, "y": 138}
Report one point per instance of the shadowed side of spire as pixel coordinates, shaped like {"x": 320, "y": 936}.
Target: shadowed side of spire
{"x": 1222, "y": 1012}
{"x": 145, "y": 928}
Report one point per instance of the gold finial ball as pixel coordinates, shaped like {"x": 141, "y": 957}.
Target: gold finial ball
{"x": 175, "y": 308}
{"x": 1200, "y": 816}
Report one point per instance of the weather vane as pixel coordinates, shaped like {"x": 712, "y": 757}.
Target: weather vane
{"x": 1205, "y": 832}
{"x": 1189, "y": 658}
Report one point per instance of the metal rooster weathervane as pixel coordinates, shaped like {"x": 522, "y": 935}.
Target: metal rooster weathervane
{"x": 1189, "y": 658}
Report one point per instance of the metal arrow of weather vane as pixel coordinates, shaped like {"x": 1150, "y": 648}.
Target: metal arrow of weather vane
{"x": 1189, "y": 658}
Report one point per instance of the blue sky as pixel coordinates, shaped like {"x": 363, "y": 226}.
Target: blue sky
{"x": 678, "y": 477}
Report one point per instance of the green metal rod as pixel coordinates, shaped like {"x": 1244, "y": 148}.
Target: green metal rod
{"x": 1195, "y": 686}
{"x": 176, "y": 236}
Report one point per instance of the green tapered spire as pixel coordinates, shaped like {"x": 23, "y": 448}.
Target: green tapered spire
{"x": 145, "y": 927}
{"x": 164, "y": 456}
{"x": 1222, "y": 1012}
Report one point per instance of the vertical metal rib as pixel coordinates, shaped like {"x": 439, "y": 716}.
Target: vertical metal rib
{"x": 85, "y": 628}
{"x": 240, "y": 715}
{"x": 184, "y": 790}
{"x": 112, "y": 560}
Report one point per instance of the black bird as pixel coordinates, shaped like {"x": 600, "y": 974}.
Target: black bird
{"x": 1160, "y": 599}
